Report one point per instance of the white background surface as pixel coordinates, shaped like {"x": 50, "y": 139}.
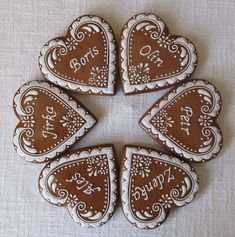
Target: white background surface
{"x": 24, "y": 28}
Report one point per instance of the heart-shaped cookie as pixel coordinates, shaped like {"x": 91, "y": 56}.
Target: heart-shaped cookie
{"x": 50, "y": 121}
{"x": 152, "y": 183}
{"x": 151, "y": 58}
{"x": 183, "y": 121}
{"x": 84, "y": 182}
{"x": 84, "y": 60}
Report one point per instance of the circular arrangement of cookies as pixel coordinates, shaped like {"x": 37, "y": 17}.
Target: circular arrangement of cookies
{"x": 87, "y": 182}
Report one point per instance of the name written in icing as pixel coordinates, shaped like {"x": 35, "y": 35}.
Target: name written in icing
{"x": 48, "y": 127}
{"x": 156, "y": 182}
{"x": 77, "y": 63}
{"x": 152, "y": 55}
{"x": 187, "y": 113}
{"x": 83, "y": 184}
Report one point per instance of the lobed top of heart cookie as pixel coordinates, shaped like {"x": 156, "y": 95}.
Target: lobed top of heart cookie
{"x": 152, "y": 183}
{"x": 183, "y": 121}
{"x": 151, "y": 58}
{"x": 83, "y": 181}
{"x": 84, "y": 60}
{"x": 50, "y": 121}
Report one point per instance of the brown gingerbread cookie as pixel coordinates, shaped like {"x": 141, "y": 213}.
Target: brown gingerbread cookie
{"x": 183, "y": 121}
{"x": 152, "y": 183}
{"x": 84, "y": 182}
{"x": 50, "y": 121}
{"x": 151, "y": 58}
{"x": 84, "y": 60}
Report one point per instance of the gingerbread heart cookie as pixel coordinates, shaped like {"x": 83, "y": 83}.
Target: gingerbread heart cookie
{"x": 151, "y": 58}
{"x": 183, "y": 121}
{"x": 152, "y": 183}
{"x": 50, "y": 121}
{"x": 84, "y": 60}
{"x": 84, "y": 182}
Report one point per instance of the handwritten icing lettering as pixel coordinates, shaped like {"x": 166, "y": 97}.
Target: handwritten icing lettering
{"x": 187, "y": 113}
{"x": 77, "y": 63}
{"x": 157, "y": 182}
{"x": 152, "y": 55}
{"x": 48, "y": 127}
{"x": 83, "y": 184}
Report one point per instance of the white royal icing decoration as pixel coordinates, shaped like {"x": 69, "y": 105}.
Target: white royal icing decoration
{"x": 71, "y": 44}
{"x": 74, "y": 206}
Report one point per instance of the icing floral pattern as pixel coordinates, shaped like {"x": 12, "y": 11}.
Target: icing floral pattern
{"x": 205, "y": 120}
{"x": 71, "y": 43}
{"x": 141, "y": 166}
{"x": 72, "y": 121}
{"x": 162, "y": 121}
{"x": 164, "y": 41}
{"x": 99, "y": 76}
{"x": 139, "y": 74}
{"x": 28, "y": 121}
{"x": 72, "y": 199}
{"x": 166, "y": 201}
{"x": 97, "y": 165}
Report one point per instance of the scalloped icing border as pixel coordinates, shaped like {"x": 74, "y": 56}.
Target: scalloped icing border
{"x": 75, "y": 105}
{"x": 127, "y": 87}
{"x": 85, "y": 153}
{"x": 125, "y": 176}
{"x": 147, "y": 126}
{"x": 110, "y": 90}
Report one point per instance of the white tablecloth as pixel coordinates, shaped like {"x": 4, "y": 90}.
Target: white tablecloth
{"x": 26, "y": 25}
